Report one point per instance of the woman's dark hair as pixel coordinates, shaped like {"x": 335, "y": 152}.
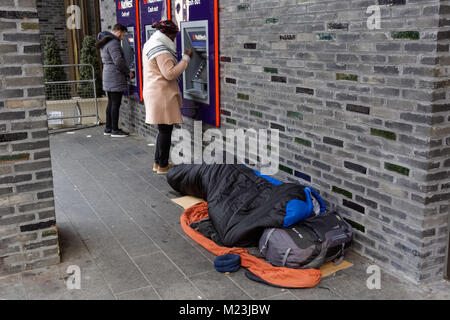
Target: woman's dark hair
{"x": 168, "y": 27}
{"x": 119, "y": 27}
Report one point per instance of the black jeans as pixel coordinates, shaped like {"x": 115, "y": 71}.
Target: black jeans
{"x": 163, "y": 143}
{"x": 112, "y": 110}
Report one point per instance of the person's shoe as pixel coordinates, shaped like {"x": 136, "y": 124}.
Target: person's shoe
{"x": 118, "y": 134}
{"x": 164, "y": 170}
{"x": 155, "y": 167}
{"x": 107, "y": 132}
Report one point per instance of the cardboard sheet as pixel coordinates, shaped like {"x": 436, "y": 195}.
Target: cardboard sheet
{"x": 327, "y": 269}
{"x": 188, "y": 201}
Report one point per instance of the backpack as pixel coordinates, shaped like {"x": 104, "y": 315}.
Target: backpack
{"x": 309, "y": 243}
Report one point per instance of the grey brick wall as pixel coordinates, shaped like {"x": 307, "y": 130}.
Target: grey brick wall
{"x": 52, "y": 21}
{"x": 364, "y": 114}
{"x": 107, "y": 14}
{"x": 28, "y": 236}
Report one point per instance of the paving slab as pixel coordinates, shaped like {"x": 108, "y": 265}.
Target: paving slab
{"x": 177, "y": 248}
{"x": 12, "y": 292}
{"x": 254, "y": 289}
{"x": 51, "y": 284}
{"x": 109, "y": 255}
{"x": 12, "y": 288}
{"x": 438, "y": 291}
{"x": 352, "y": 283}
{"x": 167, "y": 279}
{"x": 219, "y": 286}
{"x": 133, "y": 240}
{"x": 147, "y": 293}
{"x": 284, "y": 296}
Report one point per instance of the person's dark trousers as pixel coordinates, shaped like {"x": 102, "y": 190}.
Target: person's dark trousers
{"x": 112, "y": 110}
{"x": 163, "y": 143}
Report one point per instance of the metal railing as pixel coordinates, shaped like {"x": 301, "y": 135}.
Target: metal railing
{"x": 71, "y": 104}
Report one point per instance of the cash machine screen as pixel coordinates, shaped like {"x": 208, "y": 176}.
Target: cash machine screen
{"x": 194, "y": 36}
{"x": 129, "y": 52}
{"x": 149, "y": 31}
{"x": 198, "y": 39}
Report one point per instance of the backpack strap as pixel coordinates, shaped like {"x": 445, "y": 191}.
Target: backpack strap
{"x": 340, "y": 255}
{"x": 338, "y": 262}
{"x": 269, "y": 234}
{"x": 318, "y": 260}
{"x": 285, "y": 257}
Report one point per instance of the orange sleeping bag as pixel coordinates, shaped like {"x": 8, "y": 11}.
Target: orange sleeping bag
{"x": 278, "y": 276}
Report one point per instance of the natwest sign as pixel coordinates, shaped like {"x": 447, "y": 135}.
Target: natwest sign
{"x": 125, "y": 4}
{"x": 200, "y": 37}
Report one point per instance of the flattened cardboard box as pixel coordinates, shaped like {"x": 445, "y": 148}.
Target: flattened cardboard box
{"x": 327, "y": 269}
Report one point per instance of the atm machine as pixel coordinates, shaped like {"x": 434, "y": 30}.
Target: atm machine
{"x": 199, "y": 31}
{"x": 194, "y": 35}
{"x": 128, "y": 15}
{"x": 130, "y": 52}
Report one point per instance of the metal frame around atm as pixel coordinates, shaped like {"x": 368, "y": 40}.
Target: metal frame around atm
{"x": 206, "y": 10}
{"x": 196, "y": 24}
{"x": 135, "y": 12}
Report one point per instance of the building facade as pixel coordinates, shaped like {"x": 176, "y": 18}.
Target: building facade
{"x": 359, "y": 92}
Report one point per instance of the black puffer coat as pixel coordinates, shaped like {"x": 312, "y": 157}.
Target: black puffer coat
{"x": 241, "y": 204}
{"x": 115, "y": 68}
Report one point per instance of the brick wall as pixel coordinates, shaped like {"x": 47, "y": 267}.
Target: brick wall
{"x": 364, "y": 114}
{"x": 107, "y": 14}
{"x": 52, "y": 21}
{"x": 28, "y": 237}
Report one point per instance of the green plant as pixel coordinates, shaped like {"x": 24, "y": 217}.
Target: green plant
{"x": 89, "y": 56}
{"x": 52, "y": 74}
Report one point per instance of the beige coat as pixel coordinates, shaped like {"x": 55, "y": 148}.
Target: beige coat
{"x": 162, "y": 96}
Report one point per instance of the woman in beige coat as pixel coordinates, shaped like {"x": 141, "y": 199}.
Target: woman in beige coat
{"x": 162, "y": 96}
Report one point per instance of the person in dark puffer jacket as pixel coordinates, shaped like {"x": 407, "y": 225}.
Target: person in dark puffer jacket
{"x": 115, "y": 75}
{"x": 242, "y": 202}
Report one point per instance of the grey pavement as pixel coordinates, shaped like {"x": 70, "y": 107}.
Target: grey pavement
{"x": 117, "y": 223}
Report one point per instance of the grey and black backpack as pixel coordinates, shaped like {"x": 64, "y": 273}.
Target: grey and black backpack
{"x": 307, "y": 244}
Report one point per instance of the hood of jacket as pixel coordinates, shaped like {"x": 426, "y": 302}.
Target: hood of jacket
{"x": 104, "y": 37}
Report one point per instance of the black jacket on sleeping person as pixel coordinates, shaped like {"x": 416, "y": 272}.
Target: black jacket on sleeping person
{"x": 241, "y": 203}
